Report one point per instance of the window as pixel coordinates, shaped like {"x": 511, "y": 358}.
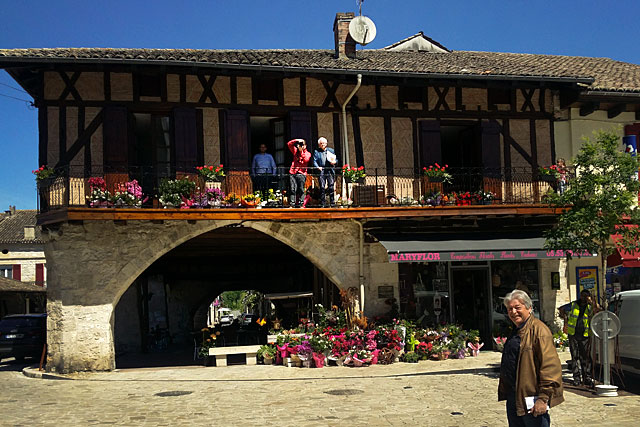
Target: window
{"x": 153, "y": 140}
{"x": 418, "y": 286}
{"x": 507, "y": 276}
{"x": 6, "y": 271}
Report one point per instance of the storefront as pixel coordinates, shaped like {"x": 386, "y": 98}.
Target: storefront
{"x": 439, "y": 283}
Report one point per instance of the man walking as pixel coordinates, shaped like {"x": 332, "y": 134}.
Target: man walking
{"x": 577, "y": 317}
{"x": 324, "y": 159}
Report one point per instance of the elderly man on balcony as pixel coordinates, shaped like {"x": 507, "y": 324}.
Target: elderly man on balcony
{"x": 324, "y": 159}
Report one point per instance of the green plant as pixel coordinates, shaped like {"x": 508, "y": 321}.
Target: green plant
{"x": 209, "y": 340}
{"x": 411, "y": 357}
{"x": 43, "y": 172}
{"x": 267, "y": 351}
{"x": 172, "y": 191}
{"x": 549, "y": 171}
{"x": 602, "y": 201}
{"x": 210, "y": 173}
{"x": 353, "y": 173}
{"x": 437, "y": 172}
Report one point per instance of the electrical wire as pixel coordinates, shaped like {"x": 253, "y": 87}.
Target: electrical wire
{"x": 29, "y": 103}
{"x": 14, "y": 88}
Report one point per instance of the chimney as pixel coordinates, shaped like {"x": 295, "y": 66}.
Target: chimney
{"x": 29, "y": 232}
{"x": 345, "y": 45}
{"x": 12, "y": 210}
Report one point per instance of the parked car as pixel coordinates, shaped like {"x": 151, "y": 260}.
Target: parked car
{"x": 627, "y": 305}
{"x": 248, "y": 319}
{"x": 226, "y": 316}
{"x": 22, "y": 335}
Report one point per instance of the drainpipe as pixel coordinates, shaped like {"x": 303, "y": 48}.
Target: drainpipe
{"x": 361, "y": 262}
{"x": 345, "y": 140}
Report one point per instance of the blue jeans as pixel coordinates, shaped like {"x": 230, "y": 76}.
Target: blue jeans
{"x": 296, "y": 187}
{"x": 527, "y": 420}
{"x": 327, "y": 178}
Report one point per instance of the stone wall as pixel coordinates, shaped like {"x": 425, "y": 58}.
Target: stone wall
{"x": 92, "y": 264}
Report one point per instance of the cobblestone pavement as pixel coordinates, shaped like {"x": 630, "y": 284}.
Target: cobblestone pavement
{"x": 430, "y": 393}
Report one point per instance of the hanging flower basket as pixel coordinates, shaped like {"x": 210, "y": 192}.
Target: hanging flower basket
{"x": 548, "y": 178}
{"x": 436, "y": 179}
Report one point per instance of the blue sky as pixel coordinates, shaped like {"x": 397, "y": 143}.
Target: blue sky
{"x": 559, "y": 27}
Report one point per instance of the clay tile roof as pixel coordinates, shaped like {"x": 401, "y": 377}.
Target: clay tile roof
{"x": 599, "y": 74}
{"x": 10, "y": 285}
{"x": 12, "y": 227}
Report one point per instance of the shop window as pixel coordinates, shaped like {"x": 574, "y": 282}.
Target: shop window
{"x": 507, "y": 276}
{"x": 422, "y": 288}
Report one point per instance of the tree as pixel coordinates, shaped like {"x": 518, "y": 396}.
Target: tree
{"x": 601, "y": 201}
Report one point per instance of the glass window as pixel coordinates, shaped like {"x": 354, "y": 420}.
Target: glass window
{"x": 6, "y": 271}
{"x": 422, "y": 288}
{"x": 505, "y": 277}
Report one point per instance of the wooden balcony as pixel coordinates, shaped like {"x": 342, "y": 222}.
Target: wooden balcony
{"x": 403, "y": 194}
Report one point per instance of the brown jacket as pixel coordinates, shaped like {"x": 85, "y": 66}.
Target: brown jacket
{"x": 539, "y": 372}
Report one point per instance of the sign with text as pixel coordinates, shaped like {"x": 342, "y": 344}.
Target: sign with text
{"x": 481, "y": 256}
{"x": 587, "y": 279}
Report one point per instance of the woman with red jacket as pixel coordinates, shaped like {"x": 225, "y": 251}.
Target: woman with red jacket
{"x": 298, "y": 171}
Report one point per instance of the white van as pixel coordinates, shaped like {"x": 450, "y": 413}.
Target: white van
{"x": 627, "y": 306}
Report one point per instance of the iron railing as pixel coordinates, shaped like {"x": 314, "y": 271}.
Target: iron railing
{"x": 72, "y": 187}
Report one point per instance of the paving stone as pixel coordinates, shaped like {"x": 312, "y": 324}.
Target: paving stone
{"x": 425, "y": 394}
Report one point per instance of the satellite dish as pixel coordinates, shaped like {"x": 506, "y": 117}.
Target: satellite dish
{"x": 362, "y": 30}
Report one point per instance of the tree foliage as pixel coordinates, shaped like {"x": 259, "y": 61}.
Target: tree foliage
{"x": 601, "y": 197}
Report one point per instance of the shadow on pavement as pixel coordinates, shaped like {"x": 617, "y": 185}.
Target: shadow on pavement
{"x": 172, "y": 356}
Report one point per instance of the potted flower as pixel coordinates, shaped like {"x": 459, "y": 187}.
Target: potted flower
{"x": 211, "y": 173}
{"x": 353, "y": 174}
{"x": 250, "y": 200}
{"x": 549, "y": 174}
{"x": 344, "y": 202}
{"x": 305, "y": 353}
{"x": 267, "y": 352}
{"x": 232, "y": 200}
{"x": 486, "y": 197}
{"x": 129, "y": 194}
{"x": 271, "y": 199}
{"x": 43, "y": 172}
{"x": 209, "y": 340}
{"x": 437, "y": 173}
{"x": 411, "y": 357}
{"x": 172, "y": 191}
{"x": 98, "y": 196}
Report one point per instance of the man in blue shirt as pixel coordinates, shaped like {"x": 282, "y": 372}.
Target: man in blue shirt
{"x": 263, "y": 168}
{"x": 324, "y": 159}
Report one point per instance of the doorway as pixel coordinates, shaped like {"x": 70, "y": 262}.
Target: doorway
{"x": 470, "y": 288}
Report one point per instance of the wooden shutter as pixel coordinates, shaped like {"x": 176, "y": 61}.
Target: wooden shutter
{"x": 491, "y": 145}
{"x": 185, "y": 139}
{"x": 236, "y": 149}
{"x": 116, "y": 146}
{"x": 492, "y": 176}
{"x": 300, "y": 127}
{"x": 430, "y": 146}
{"x": 17, "y": 271}
{"x": 40, "y": 274}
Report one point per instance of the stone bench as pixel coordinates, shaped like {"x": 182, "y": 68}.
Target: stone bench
{"x": 221, "y": 353}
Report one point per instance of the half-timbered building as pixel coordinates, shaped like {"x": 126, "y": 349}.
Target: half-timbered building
{"x": 154, "y": 114}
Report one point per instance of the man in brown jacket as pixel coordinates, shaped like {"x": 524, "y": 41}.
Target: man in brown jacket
{"x": 530, "y": 369}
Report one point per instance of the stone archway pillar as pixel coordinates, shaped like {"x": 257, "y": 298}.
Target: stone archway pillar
{"x": 82, "y": 338}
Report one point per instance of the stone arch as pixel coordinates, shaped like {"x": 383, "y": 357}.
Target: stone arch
{"x": 91, "y": 265}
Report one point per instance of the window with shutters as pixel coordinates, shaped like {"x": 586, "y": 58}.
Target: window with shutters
{"x": 6, "y": 271}
{"x": 152, "y": 134}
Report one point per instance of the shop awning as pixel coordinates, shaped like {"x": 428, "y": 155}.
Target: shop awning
{"x": 478, "y": 249}
{"x": 622, "y": 257}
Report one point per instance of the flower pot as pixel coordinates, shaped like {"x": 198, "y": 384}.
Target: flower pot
{"x": 213, "y": 184}
{"x": 354, "y": 181}
{"x": 209, "y": 361}
{"x": 548, "y": 178}
{"x": 248, "y": 204}
{"x": 268, "y": 360}
{"x": 436, "y": 179}
{"x": 307, "y": 363}
{"x": 319, "y": 360}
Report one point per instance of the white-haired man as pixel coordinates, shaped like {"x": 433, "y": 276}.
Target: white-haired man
{"x": 324, "y": 159}
{"x": 530, "y": 369}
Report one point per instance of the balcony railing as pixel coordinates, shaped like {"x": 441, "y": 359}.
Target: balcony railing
{"x": 71, "y": 187}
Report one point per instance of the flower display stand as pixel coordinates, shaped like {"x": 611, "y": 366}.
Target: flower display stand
{"x": 221, "y": 353}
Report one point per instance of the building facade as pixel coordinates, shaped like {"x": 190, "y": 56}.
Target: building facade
{"x": 152, "y": 115}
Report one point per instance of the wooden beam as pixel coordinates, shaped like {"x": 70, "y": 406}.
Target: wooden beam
{"x": 589, "y": 108}
{"x": 616, "y": 110}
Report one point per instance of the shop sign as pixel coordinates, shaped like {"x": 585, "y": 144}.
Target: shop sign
{"x": 481, "y": 256}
